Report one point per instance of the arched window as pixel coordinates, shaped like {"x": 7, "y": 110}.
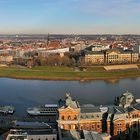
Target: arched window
{"x": 75, "y": 117}
{"x": 62, "y": 118}
{"x": 127, "y": 125}
{"x": 93, "y": 126}
{"x": 69, "y": 118}
{"x": 69, "y": 126}
{"x": 98, "y": 125}
{"x": 81, "y": 127}
{"x": 97, "y": 116}
{"x": 119, "y": 131}
{"x": 76, "y": 126}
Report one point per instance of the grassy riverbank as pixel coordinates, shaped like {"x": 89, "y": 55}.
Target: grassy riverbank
{"x": 66, "y": 73}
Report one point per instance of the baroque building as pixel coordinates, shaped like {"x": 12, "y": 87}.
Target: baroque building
{"x": 120, "y": 120}
{"x": 111, "y": 56}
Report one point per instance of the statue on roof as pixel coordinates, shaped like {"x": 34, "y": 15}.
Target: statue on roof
{"x": 67, "y": 95}
{"x": 127, "y": 99}
{"x": 68, "y": 99}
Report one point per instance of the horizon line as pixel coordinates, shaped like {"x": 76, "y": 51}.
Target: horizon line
{"x": 66, "y": 34}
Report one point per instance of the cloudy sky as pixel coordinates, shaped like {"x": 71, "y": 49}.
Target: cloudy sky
{"x": 70, "y": 16}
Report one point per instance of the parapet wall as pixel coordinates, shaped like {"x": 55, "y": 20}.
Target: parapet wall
{"x": 121, "y": 67}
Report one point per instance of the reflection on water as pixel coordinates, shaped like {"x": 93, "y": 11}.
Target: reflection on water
{"x": 29, "y": 93}
{"x": 113, "y": 81}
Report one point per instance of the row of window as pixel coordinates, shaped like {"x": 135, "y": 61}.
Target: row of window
{"x": 135, "y": 116}
{"x": 68, "y": 117}
{"x": 19, "y": 138}
{"x": 113, "y": 56}
{"x": 92, "y": 116}
{"x": 43, "y": 139}
{"x": 93, "y": 126}
{"x": 102, "y": 59}
{"x": 84, "y": 126}
{"x": 119, "y": 124}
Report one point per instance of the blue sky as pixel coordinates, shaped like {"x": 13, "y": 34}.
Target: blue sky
{"x": 70, "y": 16}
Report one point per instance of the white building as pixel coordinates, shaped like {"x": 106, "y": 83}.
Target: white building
{"x": 55, "y": 51}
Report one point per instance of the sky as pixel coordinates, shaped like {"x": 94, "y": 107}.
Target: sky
{"x": 70, "y": 16}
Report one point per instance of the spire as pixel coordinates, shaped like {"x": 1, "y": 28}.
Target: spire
{"x": 48, "y": 39}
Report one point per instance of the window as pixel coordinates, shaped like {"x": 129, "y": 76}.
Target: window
{"x": 69, "y": 126}
{"x": 87, "y": 126}
{"x": 81, "y": 127}
{"x": 76, "y": 126}
{"x": 75, "y": 117}
{"x": 135, "y": 124}
{"x": 69, "y": 117}
{"x": 98, "y": 125}
{"x": 93, "y": 126}
{"x": 127, "y": 125}
{"x": 119, "y": 131}
{"x": 62, "y": 117}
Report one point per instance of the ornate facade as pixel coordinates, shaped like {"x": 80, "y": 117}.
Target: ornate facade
{"x": 119, "y": 120}
{"x": 111, "y": 56}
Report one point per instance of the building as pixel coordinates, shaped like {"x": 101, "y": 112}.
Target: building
{"x": 30, "y": 131}
{"x": 120, "y": 120}
{"x": 20, "y": 134}
{"x": 60, "y": 51}
{"x": 82, "y": 135}
{"x": 111, "y": 56}
{"x": 4, "y": 59}
{"x": 95, "y": 58}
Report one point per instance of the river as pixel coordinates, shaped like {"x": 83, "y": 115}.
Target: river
{"x": 29, "y": 93}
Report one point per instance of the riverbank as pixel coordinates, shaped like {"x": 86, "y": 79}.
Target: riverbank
{"x": 66, "y": 73}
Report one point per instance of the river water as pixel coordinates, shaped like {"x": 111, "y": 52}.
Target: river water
{"x": 29, "y": 93}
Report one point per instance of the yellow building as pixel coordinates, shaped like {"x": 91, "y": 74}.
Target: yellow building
{"x": 112, "y": 56}
{"x": 94, "y": 58}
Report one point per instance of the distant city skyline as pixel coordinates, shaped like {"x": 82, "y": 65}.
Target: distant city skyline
{"x": 69, "y": 16}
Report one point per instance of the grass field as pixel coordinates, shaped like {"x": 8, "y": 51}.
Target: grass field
{"x": 65, "y": 73}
